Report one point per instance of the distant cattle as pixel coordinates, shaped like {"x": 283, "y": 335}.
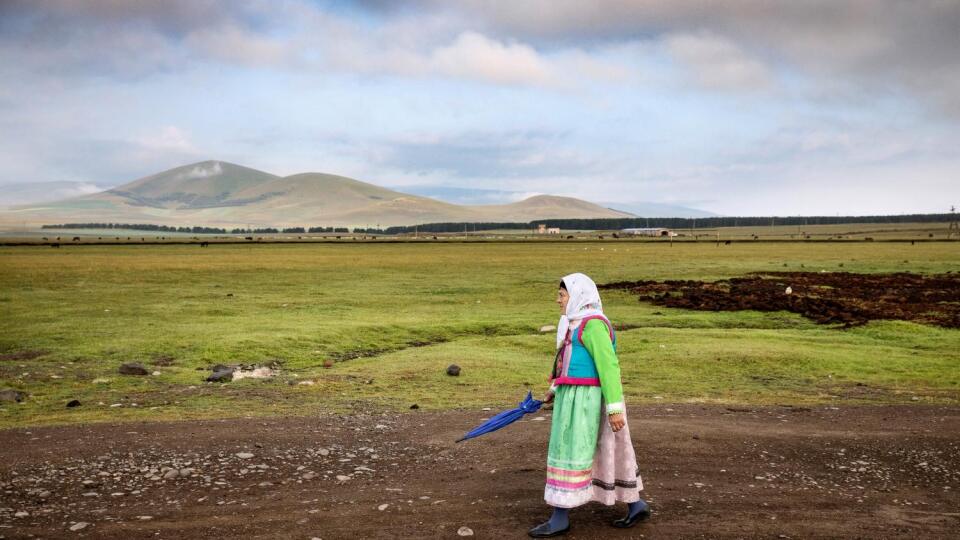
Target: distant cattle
{"x": 76, "y": 238}
{"x": 726, "y": 243}
{"x": 204, "y": 244}
{"x": 569, "y": 238}
{"x": 45, "y": 239}
{"x": 248, "y": 238}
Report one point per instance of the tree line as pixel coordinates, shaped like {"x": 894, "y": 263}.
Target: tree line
{"x": 207, "y": 230}
{"x": 138, "y": 227}
{"x": 672, "y": 223}
{"x": 569, "y": 224}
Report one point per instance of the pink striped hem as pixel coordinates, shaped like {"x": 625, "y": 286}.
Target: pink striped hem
{"x": 574, "y": 485}
{"x": 577, "y": 381}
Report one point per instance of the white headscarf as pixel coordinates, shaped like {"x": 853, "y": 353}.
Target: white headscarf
{"x": 584, "y": 302}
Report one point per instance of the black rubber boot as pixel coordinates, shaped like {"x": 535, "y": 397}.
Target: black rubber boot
{"x": 636, "y": 515}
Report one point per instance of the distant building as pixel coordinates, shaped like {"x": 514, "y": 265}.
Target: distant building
{"x": 543, "y": 229}
{"x": 553, "y": 230}
{"x": 649, "y": 231}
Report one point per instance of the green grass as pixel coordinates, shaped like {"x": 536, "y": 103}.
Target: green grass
{"x": 91, "y": 308}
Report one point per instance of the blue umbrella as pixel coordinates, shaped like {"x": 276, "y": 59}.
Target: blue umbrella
{"x": 527, "y": 406}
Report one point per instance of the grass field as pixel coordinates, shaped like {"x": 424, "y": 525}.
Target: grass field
{"x": 393, "y": 316}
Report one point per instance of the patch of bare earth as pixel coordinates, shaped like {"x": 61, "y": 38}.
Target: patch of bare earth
{"x": 826, "y": 297}
{"x": 710, "y": 472}
{"x": 27, "y": 354}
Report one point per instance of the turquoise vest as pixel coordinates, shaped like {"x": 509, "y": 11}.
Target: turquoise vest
{"x": 581, "y": 370}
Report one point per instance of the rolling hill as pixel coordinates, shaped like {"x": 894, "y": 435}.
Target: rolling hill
{"x": 221, "y": 194}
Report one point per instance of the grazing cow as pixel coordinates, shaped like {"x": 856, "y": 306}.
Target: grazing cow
{"x": 868, "y": 239}
{"x": 727, "y": 243}
{"x": 44, "y": 238}
{"x": 615, "y": 235}
{"x": 600, "y": 237}
{"x": 248, "y": 238}
{"x": 338, "y": 238}
{"x": 58, "y": 239}
{"x": 76, "y": 238}
{"x": 204, "y": 244}
{"x": 569, "y": 237}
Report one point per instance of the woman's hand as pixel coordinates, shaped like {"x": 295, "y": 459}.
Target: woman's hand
{"x": 548, "y": 397}
{"x": 617, "y": 422}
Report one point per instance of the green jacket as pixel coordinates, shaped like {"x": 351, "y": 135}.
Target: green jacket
{"x": 596, "y": 339}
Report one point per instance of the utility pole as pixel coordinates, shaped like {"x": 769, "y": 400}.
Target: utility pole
{"x": 954, "y": 225}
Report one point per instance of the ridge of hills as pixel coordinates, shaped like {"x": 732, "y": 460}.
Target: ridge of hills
{"x": 222, "y": 194}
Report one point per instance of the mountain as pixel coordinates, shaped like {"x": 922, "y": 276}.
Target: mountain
{"x": 221, "y": 194}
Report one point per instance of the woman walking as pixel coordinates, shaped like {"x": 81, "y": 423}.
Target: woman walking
{"x": 591, "y": 456}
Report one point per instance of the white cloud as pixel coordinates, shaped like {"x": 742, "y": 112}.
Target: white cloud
{"x": 201, "y": 171}
{"x": 237, "y": 45}
{"x": 717, "y": 63}
{"x": 474, "y": 56}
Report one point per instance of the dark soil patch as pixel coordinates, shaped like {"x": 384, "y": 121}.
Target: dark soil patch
{"x": 22, "y": 355}
{"x": 826, "y": 297}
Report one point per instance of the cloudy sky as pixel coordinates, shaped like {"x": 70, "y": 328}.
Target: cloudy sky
{"x": 737, "y": 107}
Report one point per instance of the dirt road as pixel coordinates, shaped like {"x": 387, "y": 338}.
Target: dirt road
{"x": 710, "y": 472}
